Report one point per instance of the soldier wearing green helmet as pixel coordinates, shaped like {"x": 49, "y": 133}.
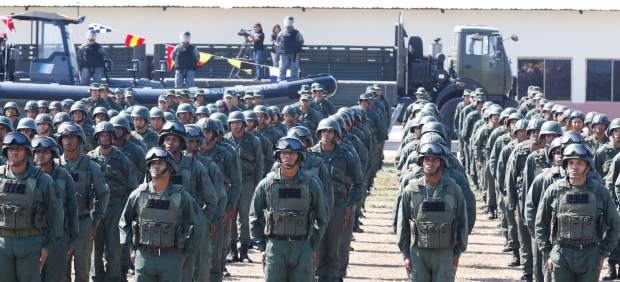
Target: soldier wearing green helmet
{"x": 141, "y": 117}
{"x": 321, "y": 102}
{"x": 586, "y": 224}
{"x": 45, "y": 150}
{"x": 431, "y": 206}
{"x": 347, "y": 180}
{"x": 157, "y": 206}
{"x": 224, "y": 155}
{"x": 32, "y": 212}
{"x": 250, "y": 153}
{"x": 598, "y": 132}
{"x": 288, "y": 216}
{"x": 481, "y": 156}
{"x": 517, "y": 191}
{"x": 120, "y": 176}
{"x": 604, "y": 154}
{"x": 92, "y": 195}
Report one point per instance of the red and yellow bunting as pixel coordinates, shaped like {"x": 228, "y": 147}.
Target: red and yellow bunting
{"x": 133, "y": 40}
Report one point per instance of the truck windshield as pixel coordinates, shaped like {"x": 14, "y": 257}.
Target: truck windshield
{"x": 481, "y": 44}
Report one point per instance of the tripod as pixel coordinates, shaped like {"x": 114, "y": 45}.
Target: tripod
{"x": 244, "y": 53}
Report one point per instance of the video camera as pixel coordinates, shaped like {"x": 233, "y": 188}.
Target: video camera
{"x": 244, "y": 32}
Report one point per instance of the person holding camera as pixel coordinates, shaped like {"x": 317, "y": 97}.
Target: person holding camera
{"x": 289, "y": 43}
{"x": 257, "y": 38}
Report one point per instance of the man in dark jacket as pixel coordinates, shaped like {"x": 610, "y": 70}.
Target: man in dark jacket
{"x": 185, "y": 56}
{"x": 91, "y": 57}
{"x": 289, "y": 43}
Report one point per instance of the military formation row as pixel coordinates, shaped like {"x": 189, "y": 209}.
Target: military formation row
{"x": 102, "y": 186}
{"x": 548, "y": 173}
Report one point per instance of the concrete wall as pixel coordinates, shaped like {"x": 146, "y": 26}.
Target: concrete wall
{"x": 549, "y": 34}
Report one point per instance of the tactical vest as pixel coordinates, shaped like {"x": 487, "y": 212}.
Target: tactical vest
{"x": 289, "y": 211}
{"x": 185, "y": 178}
{"x": 82, "y": 179}
{"x": 341, "y": 181}
{"x": 247, "y": 156}
{"x": 540, "y": 164}
{"x": 289, "y": 43}
{"x": 114, "y": 176}
{"x": 91, "y": 58}
{"x": 610, "y": 153}
{"x": 158, "y": 225}
{"x": 185, "y": 59}
{"x": 60, "y": 186}
{"x": 521, "y": 154}
{"x": 218, "y": 157}
{"x": 17, "y": 209}
{"x": 433, "y": 224}
{"x": 577, "y": 217}
{"x": 313, "y": 165}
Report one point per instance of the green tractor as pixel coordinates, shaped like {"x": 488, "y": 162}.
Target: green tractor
{"x": 478, "y": 60}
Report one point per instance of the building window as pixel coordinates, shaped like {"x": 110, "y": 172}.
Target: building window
{"x": 603, "y": 80}
{"x": 552, "y": 75}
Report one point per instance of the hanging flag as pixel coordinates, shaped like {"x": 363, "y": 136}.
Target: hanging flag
{"x": 133, "y": 41}
{"x": 169, "y": 60}
{"x": 99, "y": 28}
{"x": 8, "y": 22}
{"x": 204, "y": 58}
{"x": 244, "y": 66}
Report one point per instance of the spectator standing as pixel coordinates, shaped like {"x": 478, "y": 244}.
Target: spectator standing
{"x": 289, "y": 42}
{"x": 275, "y": 57}
{"x": 257, "y": 38}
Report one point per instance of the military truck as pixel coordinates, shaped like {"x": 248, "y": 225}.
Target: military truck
{"x": 478, "y": 60}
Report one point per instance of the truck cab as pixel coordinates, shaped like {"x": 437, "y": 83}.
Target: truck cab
{"x": 479, "y": 59}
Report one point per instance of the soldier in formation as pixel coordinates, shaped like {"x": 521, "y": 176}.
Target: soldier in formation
{"x": 547, "y": 173}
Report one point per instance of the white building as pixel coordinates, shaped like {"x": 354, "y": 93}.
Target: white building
{"x": 572, "y": 46}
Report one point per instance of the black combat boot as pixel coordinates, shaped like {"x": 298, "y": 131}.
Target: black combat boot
{"x": 233, "y": 255}
{"x": 516, "y": 259}
{"x": 492, "y": 214}
{"x": 611, "y": 272}
{"x": 243, "y": 254}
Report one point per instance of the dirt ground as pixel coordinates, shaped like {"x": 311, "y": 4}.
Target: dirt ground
{"x": 376, "y": 256}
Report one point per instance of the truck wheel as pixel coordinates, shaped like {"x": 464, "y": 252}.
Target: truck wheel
{"x": 416, "y": 47}
{"x": 447, "y": 112}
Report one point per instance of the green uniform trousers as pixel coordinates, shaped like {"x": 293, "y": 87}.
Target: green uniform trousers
{"x": 203, "y": 260}
{"x": 187, "y": 271}
{"x": 525, "y": 245}
{"x": 570, "y": 264}
{"x": 19, "y": 258}
{"x": 513, "y": 234}
{"x": 288, "y": 261}
{"x": 55, "y": 266}
{"x": 345, "y": 245}
{"x": 243, "y": 210}
{"x": 82, "y": 250}
{"x": 431, "y": 265}
{"x": 218, "y": 254}
{"x": 107, "y": 242}
{"x": 329, "y": 248}
{"x": 153, "y": 266}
